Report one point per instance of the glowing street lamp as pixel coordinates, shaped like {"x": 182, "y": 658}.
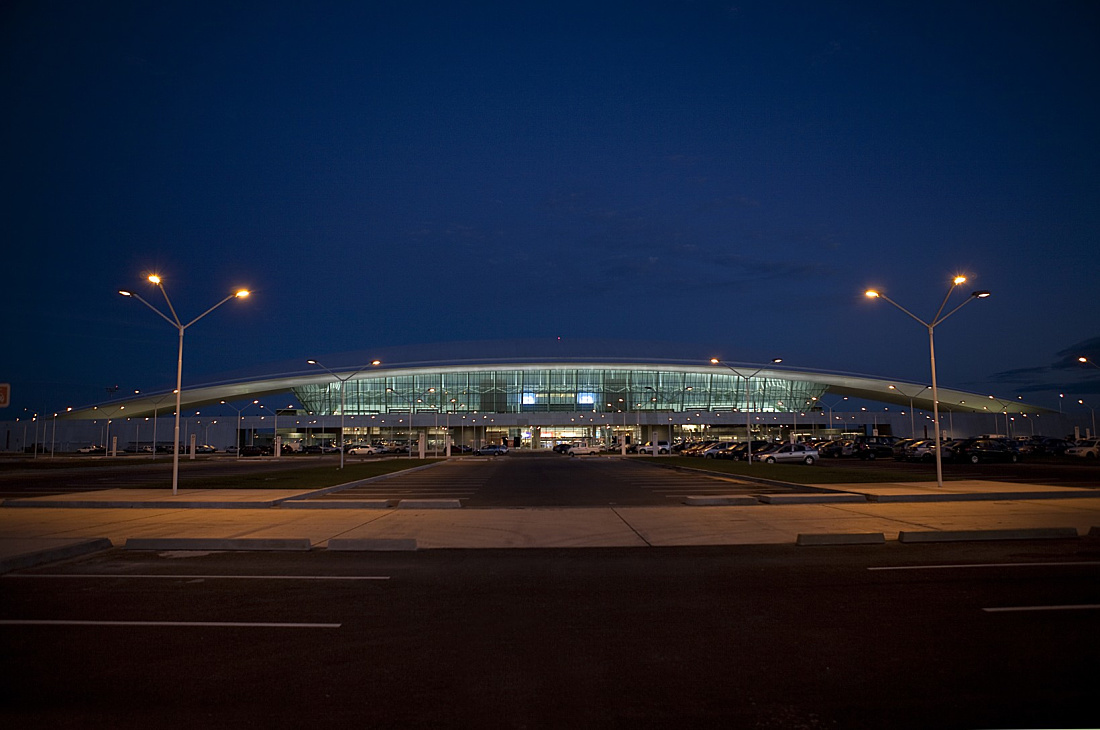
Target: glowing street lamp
{"x": 1086, "y": 361}
{"x": 175, "y": 321}
{"x": 930, "y": 326}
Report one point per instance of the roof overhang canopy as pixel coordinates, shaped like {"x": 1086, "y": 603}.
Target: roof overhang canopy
{"x": 915, "y": 395}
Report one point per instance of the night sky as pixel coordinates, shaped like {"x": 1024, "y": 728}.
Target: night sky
{"x": 380, "y": 174}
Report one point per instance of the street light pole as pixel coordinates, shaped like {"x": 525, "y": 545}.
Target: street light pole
{"x": 175, "y": 321}
{"x": 1093, "y": 410}
{"x": 239, "y": 411}
{"x": 343, "y": 401}
{"x": 748, "y": 413}
{"x": 931, "y": 326}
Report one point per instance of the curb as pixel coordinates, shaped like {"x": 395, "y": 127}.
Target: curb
{"x": 101, "y": 504}
{"x": 980, "y": 497}
{"x": 811, "y": 498}
{"x": 53, "y": 554}
{"x": 1033, "y": 533}
{"x": 337, "y": 504}
{"x": 720, "y": 501}
{"x": 372, "y": 543}
{"x": 429, "y": 504}
{"x": 856, "y": 538}
{"x": 205, "y": 543}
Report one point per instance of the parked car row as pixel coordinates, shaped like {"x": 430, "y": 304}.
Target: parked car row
{"x": 765, "y": 451}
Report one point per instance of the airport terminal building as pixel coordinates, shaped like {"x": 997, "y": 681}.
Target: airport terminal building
{"x": 532, "y": 400}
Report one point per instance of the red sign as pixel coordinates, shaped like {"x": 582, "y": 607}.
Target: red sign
{"x": 5, "y": 394}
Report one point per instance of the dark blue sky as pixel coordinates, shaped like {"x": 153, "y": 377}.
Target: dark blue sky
{"x": 383, "y": 174}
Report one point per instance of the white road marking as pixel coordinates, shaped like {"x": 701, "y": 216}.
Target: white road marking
{"x": 211, "y": 577}
{"x": 1078, "y": 607}
{"x": 987, "y": 565}
{"x": 223, "y": 624}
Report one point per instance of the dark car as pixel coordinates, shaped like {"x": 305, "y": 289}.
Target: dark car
{"x": 251, "y": 451}
{"x": 737, "y": 451}
{"x": 874, "y": 447}
{"x": 1054, "y": 447}
{"x": 984, "y": 450}
{"x": 837, "y": 448}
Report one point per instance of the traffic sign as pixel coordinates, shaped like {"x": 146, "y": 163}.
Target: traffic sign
{"x": 5, "y": 395}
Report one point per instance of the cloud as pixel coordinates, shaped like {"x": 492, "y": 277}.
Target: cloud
{"x": 1063, "y": 374}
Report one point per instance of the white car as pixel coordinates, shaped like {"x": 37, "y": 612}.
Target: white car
{"x": 712, "y": 451}
{"x": 662, "y": 448}
{"x": 1087, "y": 449}
{"x": 800, "y": 453}
{"x": 582, "y": 450}
{"x": 366, "y": 450}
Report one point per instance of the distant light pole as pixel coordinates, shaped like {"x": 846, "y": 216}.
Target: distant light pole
{"x": 1088, "y": 362}
{"x": 930, "y": 326}
{"x": 912, "y": 424}
{"x": 175, "y": 321}
{"x": 1093, "y": 410}
{"x": 343, "y": 401}
{"x": 748, "y": 411}
{"x": 237, "y": 440}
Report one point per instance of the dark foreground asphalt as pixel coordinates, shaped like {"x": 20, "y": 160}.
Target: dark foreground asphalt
{"x": 745, "y": 637}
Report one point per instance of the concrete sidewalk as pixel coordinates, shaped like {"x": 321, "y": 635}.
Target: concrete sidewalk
{"x": 32, "y": 534}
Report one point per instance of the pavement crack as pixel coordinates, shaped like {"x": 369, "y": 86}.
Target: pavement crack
{"x": 640, "y": 536}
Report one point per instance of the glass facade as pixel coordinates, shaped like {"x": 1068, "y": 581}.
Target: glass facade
{"x": 558, "y": 389}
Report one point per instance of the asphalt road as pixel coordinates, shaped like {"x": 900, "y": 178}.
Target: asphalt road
{"x": 902, "y": 636}
{"x": 553, "y": 481}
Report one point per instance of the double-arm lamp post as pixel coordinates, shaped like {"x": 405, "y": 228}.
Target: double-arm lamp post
{"x": 175, "y": 321}
{"x": 930, "y": 326}
{"x": 748, "y": 409}
{"x": 343, "y": 402}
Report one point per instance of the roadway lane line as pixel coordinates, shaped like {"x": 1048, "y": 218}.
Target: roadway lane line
{"x": 212, "y": 577}
{"x": 1078, "y": 607}
{"x": 218, "y": 624}
{"x": 986, "y": 565}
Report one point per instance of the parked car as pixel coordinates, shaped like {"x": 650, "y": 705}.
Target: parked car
{"x": 366, "y": 450}
{"x": 662, "y": 448}
{"x": 801, "y": 453}
{"x": 898, "y": 449}
{"x": 713, "y": 450}
{"x": 91, "y": 450}
{"x": 583, "y": 450}
{"x": 921, "y": 450}
{"x": 492, "y": 450}
{"x": 1055, "y": 447}
{"x": 983, "y": 450}
{"x": 837, "y": 448}
{"x": 204, "y": 449}
{"x": 1085, "y": 449}
{"x": 737, "y": 450}
{"x": 251, "y": 451}
{"x": 873, "y": 447}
